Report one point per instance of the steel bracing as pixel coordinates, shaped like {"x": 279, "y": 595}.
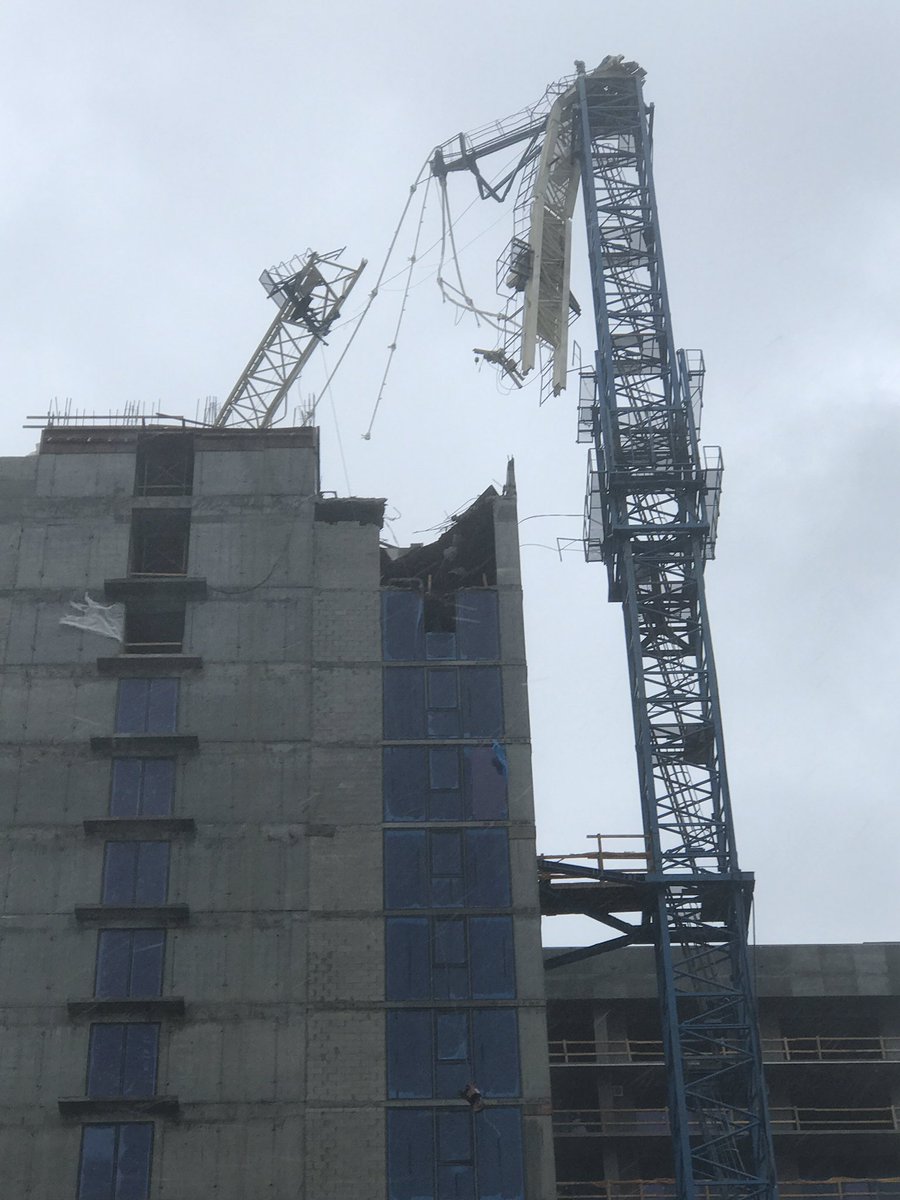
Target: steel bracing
{"x": 656, "y": 504}
{"x": 309, "y": 293}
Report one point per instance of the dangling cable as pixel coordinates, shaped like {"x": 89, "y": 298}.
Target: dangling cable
{"x": 337, "y": 427}
{"x": 447, "y": 288}
{"x": 392, "y": 348}
{"x": 384, "y": 266}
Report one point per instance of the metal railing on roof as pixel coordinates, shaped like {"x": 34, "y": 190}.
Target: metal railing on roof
{"x": 786, "y": 1119}
{"x": 815, "y": 1048}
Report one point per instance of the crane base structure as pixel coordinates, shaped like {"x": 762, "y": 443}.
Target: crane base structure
{"x": 650, "y": 517}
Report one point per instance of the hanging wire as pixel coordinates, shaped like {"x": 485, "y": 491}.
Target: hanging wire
{"x": 337, "y": 426}
{"x": 387, "y": 258}
{"x": 447, "y": 289}
{"x": 392, "y": 348}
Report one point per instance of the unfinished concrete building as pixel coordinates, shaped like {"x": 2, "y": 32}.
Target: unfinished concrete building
{"x": 270, "y": 906}
{"x": 830, "y": 1026}
{"x": 270, "y": 914}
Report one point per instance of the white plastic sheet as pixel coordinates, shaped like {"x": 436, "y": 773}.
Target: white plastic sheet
{"x": 106, "y": 619}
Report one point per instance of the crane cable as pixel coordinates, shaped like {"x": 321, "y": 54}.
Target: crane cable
{"x": 392, "y": 348}
{"x": 374, "y": 292}
{"x": 447, "y": 289}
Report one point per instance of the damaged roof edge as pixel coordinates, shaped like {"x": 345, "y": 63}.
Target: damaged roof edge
{"x": 465, "y": 555}
{"x": 363, "y": 511}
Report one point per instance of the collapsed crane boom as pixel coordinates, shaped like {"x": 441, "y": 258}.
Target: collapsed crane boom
{"x": 309, "y": 292}
{"x": 650, "y": 517}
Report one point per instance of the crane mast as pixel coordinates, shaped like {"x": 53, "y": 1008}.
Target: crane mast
{"x": 651, "y": 512}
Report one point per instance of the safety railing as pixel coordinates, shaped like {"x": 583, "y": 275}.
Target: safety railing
{"x": 655, "y": 1121}
{"x": 572, "y": 1052}
{"x": 636, "y": 853}
{"x": 793, "y": 1189}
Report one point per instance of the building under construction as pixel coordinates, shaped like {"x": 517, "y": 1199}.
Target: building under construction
{"x": 272, "y": 897}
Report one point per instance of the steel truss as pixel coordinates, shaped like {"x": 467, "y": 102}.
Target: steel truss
{"x": 653, "y": 516}
{"x": 309, "y": 293}
{"x": 650, "y": 516}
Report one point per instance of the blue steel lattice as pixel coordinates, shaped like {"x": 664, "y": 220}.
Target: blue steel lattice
{"x": 655, "y": 508}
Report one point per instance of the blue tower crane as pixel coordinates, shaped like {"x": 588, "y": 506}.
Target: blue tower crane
{"x": 651, "y": 512}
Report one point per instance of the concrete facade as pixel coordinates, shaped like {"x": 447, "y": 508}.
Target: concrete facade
{"x": 270, "y": 1073}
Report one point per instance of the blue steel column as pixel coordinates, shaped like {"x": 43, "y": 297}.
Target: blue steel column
{"x": 655, "y": 540}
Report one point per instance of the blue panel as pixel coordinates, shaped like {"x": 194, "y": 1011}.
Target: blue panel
{"x": 455, "y": 1181}
{"x": 485, "y": 785}
{"x": 495, "y": 1051}
{"x": 119, "y": 872}
{"x": 114, "y": 962}
{"x": 129, "y": 963}
{"x": 440, "y": 645}
{"x": 447, "y": 880}
{"x": 498, "y": 1138}
{"x": 454, "y": 1136}
{"x": 443, "y": 768}
{"x": 148, "y": 948}
{"x": 443, "y": 723}
{"x": 158, "y": 787}
{"x": 131, "y": 706}
{"x": 447, "y": 806}
{"x": 104, "y": 1072}
{"x": 125, "y": 789}
{"x": 493, "y": 961}
{"x": 405, "y": 783}
{"x": 455, "y": 1165}
{"x": 452, "y": 1035}
{"x": 139, "y": 1061}
{"x": 133, "y": 1163}
{"x": 442, "y": 689}
{"x": 405, "y": 869}
{"x": 407, "y": 955}
{"x": 98, "y": 1157}
{"x": 450, "y": 971}
{"x": 404, "y": 703}
{"x": 452, "y": 1066}
{"x": 410, "y": 1136}
{"x": 481, "y": 703}
{"x": 402, "y": 635}
{"x": 152, "y": 873}
{"x": 162, "y": 706}
{"x": 487, "y": 868}
{"x": 410, "y": 1053}
{"x": 477, "y": 625}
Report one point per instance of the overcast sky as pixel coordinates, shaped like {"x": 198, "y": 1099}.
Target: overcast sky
{"x": 159, "y": 155}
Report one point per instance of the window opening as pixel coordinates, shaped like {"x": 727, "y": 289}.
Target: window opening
{"x": 135, "y": 873}
{"x": 477, "y": 624}
{"x": 445, "y": 783}
{"x": 142, "y": 787}
{"x": 115, "y": 1162}
{"x": 159, "y": 541}
{"x": 446, "y": 869}
{"x": 122, "y": 1060}
{"x": 439, "y": 1152}
{"x": 451, "y": 702}
{"x": 440, "y": 626}
{"x": 129, "y": 963}
{"x": 436, "y": 1054}
{"x": 450, "y": 958}
{"x": 154, "y": 628}
{"x": 164, "y": 465}
{"x": 146, "y": 706}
